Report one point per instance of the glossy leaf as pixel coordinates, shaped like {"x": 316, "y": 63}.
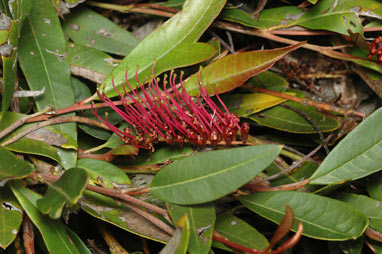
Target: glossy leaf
{"x": 67, "y": 190}
{"x": 284, "y": 119}
{"x": 104, "y": 173}
{"x": 87, "y": 27}
{"x": 45, "y": 65}
{"x": 247, "y": 104}
{"x": 370, "y": 207}
{"x": 201, "y": 219}
{"x": 344, "y": 164}
{"x": 231, "y": 71}
{"x": 89, "y": 63}
{"x": 11, "y": 167}
{"x": 322, "y": 217}
{"x": 54, "y": 232}
{"x": 374, "y": 186}
{"x": 170, "y": 46}
{"x": 238, "y": 231}
{"x": 179, "y": 241}
{"x": 116, "y": 213}
{"x": 11, "y": 216}
{"x": 211, "y": 175}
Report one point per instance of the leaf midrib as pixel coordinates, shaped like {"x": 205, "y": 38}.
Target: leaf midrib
{"x": 212, "y": 174}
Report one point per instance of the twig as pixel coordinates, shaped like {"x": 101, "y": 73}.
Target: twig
{"x": 152, "y": 219}
{"x": 28, "y": 235}
{"x": 312, "y": 122}
{"x": 57, "y": 120}
{"x": 285, "y": 187}
{"x": 21, "y": 121}
{"x": 318, "y": 105}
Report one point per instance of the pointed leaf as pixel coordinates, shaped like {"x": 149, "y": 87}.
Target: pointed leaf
{"x": 116, "y": 213}
{"x": 11, "y": 217}
{"x": 170, "y": 46}
{"x": 54, "y": 232}
{"x": 238, "y": 231}
{"x": 211, "y": 175}
{"x": 231, "y": 71}
{"x": 370, "y": 207}
{"x": 45, "y": 63}
{"x": 202, "y": 219}
{"x": 11, "y": 167}
{"x": 67, "y": 190}
{"x": 246, "y": 104}
{"x": 356, "y": 156}
{"x": 285, "y": 119}
{"x": 322, "y": 217}
{"x": 87, "y": 27}
{"x": 104, "y": 173}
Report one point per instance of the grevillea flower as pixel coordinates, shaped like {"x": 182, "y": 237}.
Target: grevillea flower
{"x": 172, "y": 115}
{"x": 376, "y": 49}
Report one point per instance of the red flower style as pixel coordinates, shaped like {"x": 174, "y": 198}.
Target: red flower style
{"x": 172, "y": 116}
{"x": 376, "y": 49}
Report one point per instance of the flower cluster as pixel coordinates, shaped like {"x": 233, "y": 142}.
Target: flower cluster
{"x": 172, "y": 115}
{"x": 376, "y": 49}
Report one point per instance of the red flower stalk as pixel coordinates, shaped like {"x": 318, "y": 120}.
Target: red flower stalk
{"x": 376, "y": 49}
{"x": 172, "y": 116}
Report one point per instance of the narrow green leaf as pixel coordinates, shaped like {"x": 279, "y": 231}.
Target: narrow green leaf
{"x": 116, "y": 213}
{"x": 202, "y": 219}
{"x": 238, "y": 231}
{"x": 67, "y": 190}
{"x": 247, "y": 104}
{"x": 285, "y": 119}
{"x": 87, "y": 27}
{"x": 11, "y": 167}
{"x": 211, "y": 175}
{"x": 370, "y": 207}
{"x": 104, "y": 173}
{"x": 11, "y": 217}
{"x": 170, "y": 46}
{"x": 231, "y": 71}
{"x": 322, "y": 217}
{"x": 356, "y": 156}
{"x": 45, "y": 64}
{"x": 54, "y": 232}
{"x": 269, "y": 80}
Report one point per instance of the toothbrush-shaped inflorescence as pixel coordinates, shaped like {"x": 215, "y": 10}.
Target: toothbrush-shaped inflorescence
{"x": 172, "y": 115}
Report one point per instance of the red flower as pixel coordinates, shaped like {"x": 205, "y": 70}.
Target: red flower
{"x": 376, "y": 49}
{"x": 172, "y": 116}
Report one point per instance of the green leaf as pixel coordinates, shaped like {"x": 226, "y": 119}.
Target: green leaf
{"x": 89, "y": 63}
{"x": 202, "y": 219}
{"x": 370, "y": 207}
{"x": 322, "y": 217}
{"x": 246, "y": 104}
{"x": 89, "y": 28}
{"x": 284, "y": 119}
{"x": 116, "y": 213}
{"x": 211, "y": 175}
{"x": 348, "y": 247}
{"x": 374, "y": 185}
{"x": 11, "y": 167}
{"x": 356, "y": 156}
{"x": 231, "y": 71}
{"x": 179, "y": 241}
{"x": 239, "y": 16}
{"x": 54, "y": 232}
{"x": 238, "y": 231}
{"x": 67, "y": 190}
{"x": 269, "y": 80}
{"x": 171, "y": 46}
{"x": 11, "y": 217}
{"x": 104, "y": 173}
{"x": 44, "y": 63}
